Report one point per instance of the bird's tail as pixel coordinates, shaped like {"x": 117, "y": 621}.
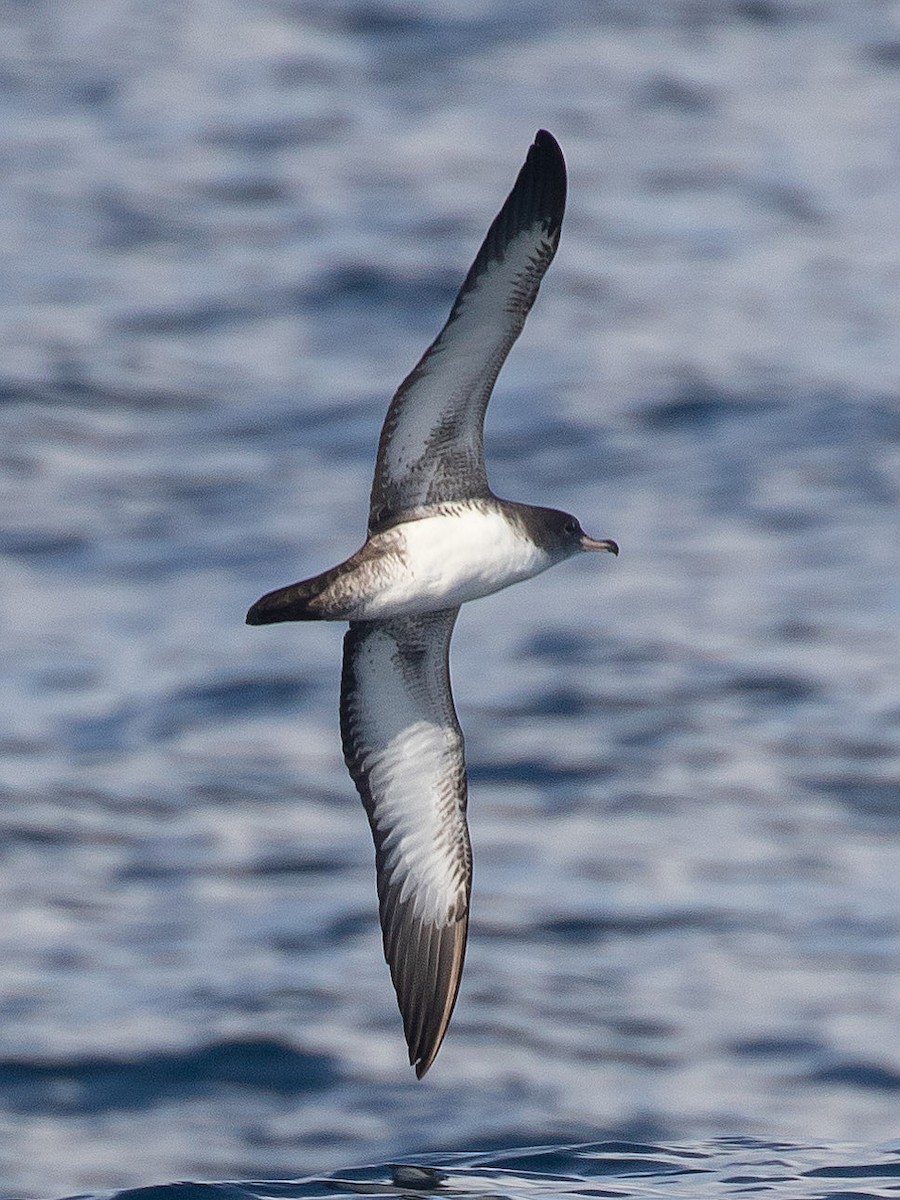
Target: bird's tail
{"x": 296, "y": 602}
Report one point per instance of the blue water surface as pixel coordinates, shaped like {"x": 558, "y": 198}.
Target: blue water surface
{"x": 723, "y": 1167}
{"x": 229, "y": 228}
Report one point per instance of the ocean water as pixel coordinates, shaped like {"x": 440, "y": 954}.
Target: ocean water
{"x": 723, "y": 1167}
{"x": 229, "y": 227}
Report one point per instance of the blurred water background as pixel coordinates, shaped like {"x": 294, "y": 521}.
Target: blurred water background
{"x": 229, "y": 227}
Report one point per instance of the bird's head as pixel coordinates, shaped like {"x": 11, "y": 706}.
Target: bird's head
{"x": 560, "y": 534}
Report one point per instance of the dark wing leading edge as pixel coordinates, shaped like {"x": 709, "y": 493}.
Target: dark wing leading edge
{"x": 404, "y": 749}
{"x": 431, "y": 446}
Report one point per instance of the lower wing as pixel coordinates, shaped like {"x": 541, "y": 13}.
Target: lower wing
{"x": 404, "y": 749}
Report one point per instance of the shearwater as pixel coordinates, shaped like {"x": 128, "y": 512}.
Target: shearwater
{"x": 438, "y": 536}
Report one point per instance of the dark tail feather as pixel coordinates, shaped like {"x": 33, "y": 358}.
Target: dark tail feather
{"x": 293, "y": 603}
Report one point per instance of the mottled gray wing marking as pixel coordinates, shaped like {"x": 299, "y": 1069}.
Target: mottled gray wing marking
{"x": 404, "y": 749}
{"x": 431, "y": 446}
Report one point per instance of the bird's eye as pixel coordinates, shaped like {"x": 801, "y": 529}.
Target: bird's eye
{"x": 571, "y": 527}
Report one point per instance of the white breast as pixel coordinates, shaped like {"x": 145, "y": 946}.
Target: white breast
{"x": 459, "y": 554}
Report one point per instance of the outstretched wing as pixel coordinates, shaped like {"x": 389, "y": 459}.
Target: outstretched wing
{"x": 404, "y": 749}
{"x": 431, "y": 446}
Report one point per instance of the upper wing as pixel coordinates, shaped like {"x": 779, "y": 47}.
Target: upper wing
{"x": 431, "y": 446}
{"x": 404, "y": 749}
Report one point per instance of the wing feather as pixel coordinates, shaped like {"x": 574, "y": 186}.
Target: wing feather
{"x": 404, "y": 749}
{"x": 431, "y": 448}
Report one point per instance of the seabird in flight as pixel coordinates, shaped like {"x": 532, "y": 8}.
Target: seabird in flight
{"x": 438, "y": 537}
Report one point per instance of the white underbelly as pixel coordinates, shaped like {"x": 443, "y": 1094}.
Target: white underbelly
{"x": 444, "y": 561}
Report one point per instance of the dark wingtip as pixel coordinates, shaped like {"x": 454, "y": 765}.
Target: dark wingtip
{"x": 426, "y": 1016}
{"x": 548, "y": 149}
{"x": 545, "y": 140}
{"x": 544, "y": 181}
{"x": 423, "y": 1063}
{"x": 538, "y": 195}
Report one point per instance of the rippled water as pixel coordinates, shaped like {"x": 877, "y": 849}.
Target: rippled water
{"x": 724, "y": 1167}
{"x": 229, "y": 229}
